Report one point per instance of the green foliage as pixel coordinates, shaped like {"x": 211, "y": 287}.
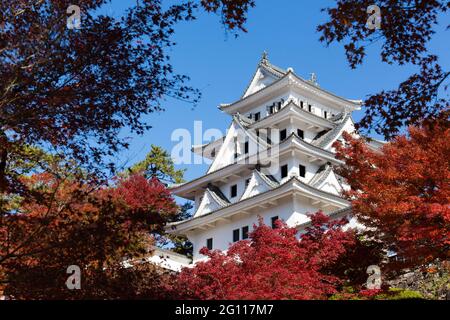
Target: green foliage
{"x": 399, "y": 294}
{"x": 159, "y": 164}
{"x": 347, "y": 293}
{"x": 350, "y": 293}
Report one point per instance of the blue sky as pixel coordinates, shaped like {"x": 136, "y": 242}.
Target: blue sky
{"x": 221, "y": 66}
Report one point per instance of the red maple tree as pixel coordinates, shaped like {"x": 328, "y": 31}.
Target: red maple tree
{"x": 402, "y": 192}
{"x": 95, "y": 229}
{"x": 273, "y": 264}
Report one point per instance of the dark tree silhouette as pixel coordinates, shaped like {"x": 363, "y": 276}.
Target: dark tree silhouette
{"x": 70, "y": 91}
{"x": 406, "y": 27}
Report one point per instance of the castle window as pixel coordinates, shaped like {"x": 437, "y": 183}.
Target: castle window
{"x": 301, "y": 104}
{"x": 233, "y": 191}
{"x": 283, "y": 134}
{"x": 268, "y": 138}
{"x": 273, "y": 220}
{"x": 325, "y": 114}
{"x": 257, "y": 116}
{"x": 244, "y": 232}
{"x": 279, "y": 104}
{"x": 300, "y": 134}
{"x": 246, "y": 147}
{"x": 209, "y": 243}
{"x": 213, "y": 153}
{"x": 236, "y": 235}
{"x": 309, "y": 108}
{"x": 284, "y": 171}
{"x": 302, "y": 170}
{"x": 247, "y": 182}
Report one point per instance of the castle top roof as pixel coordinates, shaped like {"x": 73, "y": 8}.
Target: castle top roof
{"x": 267, "y": 75}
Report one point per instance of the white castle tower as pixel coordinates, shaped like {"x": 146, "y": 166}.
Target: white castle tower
{"x": 275, "y": 162}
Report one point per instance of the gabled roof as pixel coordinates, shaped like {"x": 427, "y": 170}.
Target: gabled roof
{"x": 325, "y": 178}
{"x": 218, "y": 195}
{"x": 264, "y": 65}
{"x": 205, "y": 149}
{"x": 324, "y": 138}
{"x": 291, "y": 140}
{"x": 279, "y": 76}
{"x": 238, "y": 123}
{"x": 269, "y": 67}
{"x": 268, "y": 178}
{"x": 292, "y": 185}
{"x": 321, "y": 175}
{"x": 261, "y": 181}
{"x": 213, "y": 199}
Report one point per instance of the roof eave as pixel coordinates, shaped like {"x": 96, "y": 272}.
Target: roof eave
{"x": 310, "y": 117}
{"x": 186, "y": 188}
{"x": 343, "y": 102}
{"x": 182, "y": 226}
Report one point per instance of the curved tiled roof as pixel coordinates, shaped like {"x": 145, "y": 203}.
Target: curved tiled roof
{"x": 269, "y": 179}
{"x": 337, "y": 117}
{"x": 267, "y": 66}
{"x": 299, "y": 140}
{"x": 283, "y": 74}
{"x": 242, "y": 124}
{"x": 217, "y": 195}
{"x": 273, "y": 69}
{"x": 310, "y": 145}
{"x": 322, "y": 139}
{"x": 306, "y": 186}
{"x": 300, "y": 109}
{"x": 320, "y": 175}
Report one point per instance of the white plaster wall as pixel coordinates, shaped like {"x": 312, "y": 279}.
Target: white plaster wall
{"x": 309, "y": 135}
{"x": 292, "y": 211}
{"x": 317, "y": 108}
{"x": 223, "y": 234}
{"x": 311, "y": 168}
{"x": 262, "y": 108}
{"x": 226, "y": 188}
{"x": 302, "y": 211}
{"x": 260, "y": 81}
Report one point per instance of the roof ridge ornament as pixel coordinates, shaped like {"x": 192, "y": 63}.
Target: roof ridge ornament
{"x": 265, "y": 57}
{"x": 313, "y": 79}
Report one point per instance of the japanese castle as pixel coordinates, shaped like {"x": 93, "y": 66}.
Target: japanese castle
{"x": 275, "y": 162}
